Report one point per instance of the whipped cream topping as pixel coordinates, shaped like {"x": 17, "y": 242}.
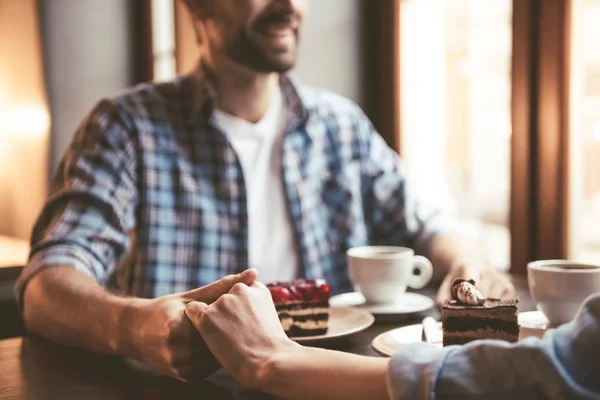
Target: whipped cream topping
{"x": 465, "y": 292}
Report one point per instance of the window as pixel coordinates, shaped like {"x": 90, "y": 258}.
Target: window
{"x": 584, "y": 196}
{"x": 455, "y": 84}
{"x": 163, "y": 39}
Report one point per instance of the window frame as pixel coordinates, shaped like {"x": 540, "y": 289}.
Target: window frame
{"x": 540, "y": 119}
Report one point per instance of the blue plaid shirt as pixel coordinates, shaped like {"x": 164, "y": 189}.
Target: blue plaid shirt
{"x": 150, "y": 200}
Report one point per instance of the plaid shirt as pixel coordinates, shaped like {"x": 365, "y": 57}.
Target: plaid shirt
{"x": 150, "y": 200}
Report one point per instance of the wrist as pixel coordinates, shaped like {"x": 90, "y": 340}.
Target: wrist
{"x": 269, "y": 371}
{"x": 129, "y": 315}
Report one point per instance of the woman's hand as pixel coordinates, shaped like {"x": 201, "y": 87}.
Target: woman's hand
{"x": 158, "y": 333}
{"x": 243, "y": 331}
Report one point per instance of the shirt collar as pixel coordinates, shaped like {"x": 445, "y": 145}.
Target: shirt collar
{"x": 204, "y": 95}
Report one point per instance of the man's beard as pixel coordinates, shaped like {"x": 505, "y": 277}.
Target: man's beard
{"x": 246, "y": 51}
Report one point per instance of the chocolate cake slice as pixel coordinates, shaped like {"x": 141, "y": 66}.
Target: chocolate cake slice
{"x": 470, "y": 316}
{"x": 302, "y": 306}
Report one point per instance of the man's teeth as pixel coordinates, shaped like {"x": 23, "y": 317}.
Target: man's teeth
{"x": 280, "y": 32}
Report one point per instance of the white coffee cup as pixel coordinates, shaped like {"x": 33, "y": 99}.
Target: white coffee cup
{"x": 559, "y": 287}
{"x": 382, "y": 273}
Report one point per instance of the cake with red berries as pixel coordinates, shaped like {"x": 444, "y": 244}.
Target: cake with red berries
{"x": 302, "y": 306}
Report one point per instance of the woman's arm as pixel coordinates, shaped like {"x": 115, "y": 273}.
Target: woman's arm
{"x": 313, "y": 373}
{"x": 244, "y": 333}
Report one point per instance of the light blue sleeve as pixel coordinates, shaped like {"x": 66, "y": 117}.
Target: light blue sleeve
{"x": 91, "y": 208}
{"x": 565, "y": 364}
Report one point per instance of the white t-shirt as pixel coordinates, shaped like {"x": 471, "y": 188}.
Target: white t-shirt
{"x": 271, "y": 236}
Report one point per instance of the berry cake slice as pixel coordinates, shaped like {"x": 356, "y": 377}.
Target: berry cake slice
{"x": 302, "y": 306}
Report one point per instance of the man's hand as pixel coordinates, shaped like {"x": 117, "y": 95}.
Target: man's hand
{"x": 242, "y": 330}
{"x": 489, "y": 282}
{"x": 157, "y": 332}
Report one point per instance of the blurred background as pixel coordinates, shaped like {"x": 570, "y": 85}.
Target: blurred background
{"x": 494, "y": 104}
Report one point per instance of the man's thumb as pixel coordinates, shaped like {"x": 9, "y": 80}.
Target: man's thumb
{"x": 194, "y": 311}
{"x": 213, "y": 291}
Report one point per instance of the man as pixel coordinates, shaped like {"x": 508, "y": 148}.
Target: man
{"x": 243, "y": 332}
{"x": 172, "y": 186}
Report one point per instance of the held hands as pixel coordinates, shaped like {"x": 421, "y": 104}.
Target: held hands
{"x": 238, "y": 324}
{"x": 243, "y": 331}
{"x": 158, "y": 333}
{"x": 489, "y": 282}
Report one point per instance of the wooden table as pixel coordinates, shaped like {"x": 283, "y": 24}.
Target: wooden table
{"x": 13, "y": 256}
{"x": 33, "y": 368}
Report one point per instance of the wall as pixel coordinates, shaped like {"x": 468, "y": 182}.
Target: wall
{"x": 23, "y": 119}
{"x": 332, "y": 48}
{"x": 330, "y": 52}
{"x": 89, "y": 54}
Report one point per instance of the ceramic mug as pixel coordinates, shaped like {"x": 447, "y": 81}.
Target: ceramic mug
{"x": 382, "y": 273}
{"x": 559, "y": 287}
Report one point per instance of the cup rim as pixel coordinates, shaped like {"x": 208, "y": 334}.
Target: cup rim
{"x": 543, "y": 265}
{"x": 362, "y": 252}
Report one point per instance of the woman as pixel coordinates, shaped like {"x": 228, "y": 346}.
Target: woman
{"x": 243, "y": 332}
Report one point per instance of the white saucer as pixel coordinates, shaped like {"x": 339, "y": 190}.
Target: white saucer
{"x": 391, "y": 341}
{"x": 343, "y": 321}
{"x": 407, "y": 303}
{"x": 533, "y": 324}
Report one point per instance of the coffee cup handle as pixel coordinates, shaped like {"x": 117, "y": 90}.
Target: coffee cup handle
{"x": 423, "y": 265}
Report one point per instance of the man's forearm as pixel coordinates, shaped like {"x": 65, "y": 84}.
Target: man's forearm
{"x": 448, "y": 251}
{"x": 455, "y": 256}
{"x": 70, "y": 308}
{"x": 312, "y": 373}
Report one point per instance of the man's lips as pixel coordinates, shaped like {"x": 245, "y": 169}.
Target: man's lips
{"x": 278, "y": 29}
{"x": 280, "y": 25}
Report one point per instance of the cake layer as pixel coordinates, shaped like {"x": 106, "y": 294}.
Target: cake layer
{"x": 302, "y": 306}
{"x": 464, "y": 324}
{"x": 486, "y": 333}
{"x": 303, "y": 319}
{"x": 303, "y": 312}
{"x": 309, "y": 324}
{"x": 462, "y": 339}
{"x": 299, "y": 308}
{"x": 495, "y": 319}
{"x": 299, "y": 332}
{"x": 308, "y": 317}
{"x": 497, "y": 310}
{"x": 489, "y": 304}
{"x": 505, "y": 314}
{"x": 294, "y": 327}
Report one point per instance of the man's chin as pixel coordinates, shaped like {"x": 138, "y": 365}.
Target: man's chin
{"x": 279, "y": 64}
{"x": 263, "y": 59}
{"x": 282, "y": 66}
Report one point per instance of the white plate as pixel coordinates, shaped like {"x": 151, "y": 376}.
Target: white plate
{"x": 343, "y": 321}
{"x": 533, "y": 323}
{"x": 407, "y": 303}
